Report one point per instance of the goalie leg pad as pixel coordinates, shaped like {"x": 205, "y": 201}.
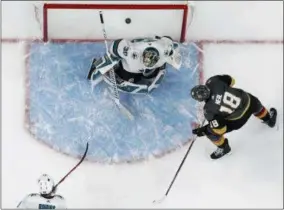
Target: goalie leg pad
{"x": 154, "y": 72}
{"x": 127, "y": 87}
{"x": 92, "y": 72}
{"x": 157, "y": 81}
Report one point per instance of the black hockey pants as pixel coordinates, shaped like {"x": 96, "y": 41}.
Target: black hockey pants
{"x": 255, "y": 107}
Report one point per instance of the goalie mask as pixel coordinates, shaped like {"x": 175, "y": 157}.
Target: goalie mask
{"x": 150, "y": 57}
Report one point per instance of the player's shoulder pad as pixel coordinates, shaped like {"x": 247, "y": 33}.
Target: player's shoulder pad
{"x": 33, "y": 195}
{"x": 59, "y": 196}
{"x": 212, "y": 79}
{"x": 227, "y": 79}
{"x": 168, "y": 37}
{"x": 119, "y": 48}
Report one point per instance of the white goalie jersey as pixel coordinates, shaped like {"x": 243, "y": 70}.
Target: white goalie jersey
{"x": 36, "y": 201}
{"x": 131, "y": 53}
{"x": 140, "y": 64}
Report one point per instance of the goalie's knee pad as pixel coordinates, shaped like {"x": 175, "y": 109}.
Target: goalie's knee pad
{"x": 128, "y": 87}
{"x": 157, "y": 81}
{"x": 133, "y": 88}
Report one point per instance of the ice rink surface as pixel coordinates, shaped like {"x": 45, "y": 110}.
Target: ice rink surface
{"x": 252, "y": 177}
{"x": 65, "y": 110}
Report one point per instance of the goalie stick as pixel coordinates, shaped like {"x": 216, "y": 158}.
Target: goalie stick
{"x": 179, "y": 168}
{"x": 76, "y": 166}
{"x": 114, "y": 90}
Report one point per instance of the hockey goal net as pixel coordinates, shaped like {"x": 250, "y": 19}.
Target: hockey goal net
{"x": 81, "y": 22}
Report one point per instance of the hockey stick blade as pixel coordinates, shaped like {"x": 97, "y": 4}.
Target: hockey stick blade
{"x": 179, "y": 168}
{"x": 76, "y": 166}
{"x": 160, "y": 201}
{"x": 125, "y": 111}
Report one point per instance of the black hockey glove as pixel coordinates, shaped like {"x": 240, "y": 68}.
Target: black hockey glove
{"x": 200, "y": 131}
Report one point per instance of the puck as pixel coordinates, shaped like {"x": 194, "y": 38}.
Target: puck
{"x": 128, "y": 20}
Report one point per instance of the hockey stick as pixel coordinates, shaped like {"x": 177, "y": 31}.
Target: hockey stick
{"x": 179, "y": 168}
{"x": 114, "y": 91}
{"x": 76, "y": 166}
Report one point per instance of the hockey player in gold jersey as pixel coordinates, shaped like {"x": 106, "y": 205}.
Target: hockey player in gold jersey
{"x": 226, "y": 109}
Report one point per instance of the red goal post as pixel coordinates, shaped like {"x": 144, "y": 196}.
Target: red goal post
{"x": 80, "y": 22}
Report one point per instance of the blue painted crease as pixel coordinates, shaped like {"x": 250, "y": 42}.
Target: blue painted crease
{"x": 66, "y": 112}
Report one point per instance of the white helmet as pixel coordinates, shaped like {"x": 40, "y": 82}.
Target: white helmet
{"x": 45, "y": 184}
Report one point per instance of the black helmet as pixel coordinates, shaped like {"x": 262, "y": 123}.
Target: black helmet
{"x": 200, "y": 93}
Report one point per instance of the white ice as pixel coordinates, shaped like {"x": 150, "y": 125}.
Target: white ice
{"x": 252, "y": 177}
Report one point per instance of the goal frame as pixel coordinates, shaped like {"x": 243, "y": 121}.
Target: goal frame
{"x": 49, "y": 6}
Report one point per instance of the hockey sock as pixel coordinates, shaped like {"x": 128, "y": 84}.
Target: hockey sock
{"x": 263, "y": 114}
{"x": 219, "y": 142}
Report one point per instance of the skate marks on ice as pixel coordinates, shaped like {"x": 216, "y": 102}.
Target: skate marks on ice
{"x": 65, "y": 112}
